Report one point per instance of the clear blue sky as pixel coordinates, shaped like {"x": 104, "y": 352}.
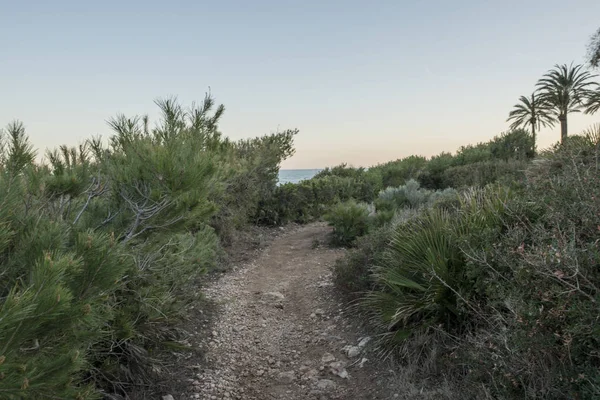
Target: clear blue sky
{"x": 365, "y": 82}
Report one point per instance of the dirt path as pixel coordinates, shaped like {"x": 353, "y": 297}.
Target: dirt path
{"x": 280, "y": 333}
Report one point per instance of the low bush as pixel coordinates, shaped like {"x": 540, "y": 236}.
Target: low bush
{"x": 349, "y": 221}
{"x": 503, "y": 160}
{"x": 501, "y": 282}
{"x": 353, "y": 273}
{"x": 423, "y": 279}
{"x": 484, "y": 173}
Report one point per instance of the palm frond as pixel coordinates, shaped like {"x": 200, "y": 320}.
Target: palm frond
{"x": 564, "y": 88}
{"x": 593, "y": 100}
{"x": 531, "y": 112}
{"x": 593, "y": 134}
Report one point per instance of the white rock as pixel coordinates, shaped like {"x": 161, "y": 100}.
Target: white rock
{"x": 362, "y": 362}
{"x": 351, "y": 351}
{"x": 343, "y": 374}
{"x": 339, "y": 369}
{"x": 325, "y": 384}
{"x": 363, "y": 342}
{"x": 310, "y": 374}
{"x": 274, "y": 296}
{"x": 288, "y": 376}
{"x": 327, "y": 358}
{"x": 168, "y": 397}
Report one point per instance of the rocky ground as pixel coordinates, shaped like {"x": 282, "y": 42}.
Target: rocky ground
{"x": 280, "y": 332}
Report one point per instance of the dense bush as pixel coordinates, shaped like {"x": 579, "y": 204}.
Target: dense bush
{"x": 396, "y": 173}
{"x": 483, "y": 173}
{"x": 310, "y": 199}
{"x": 353, "y": 273}
{"x": 349, "y": 221}
{"x": 503, "y": 159}
{"x": 503, "y": 283}
{"x": 98, "y": 246}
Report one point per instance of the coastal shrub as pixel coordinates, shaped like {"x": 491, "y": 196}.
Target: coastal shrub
{"x": 349, "y": 221}
{"x": 502, "y": 159}
{"x": 251, "y": 175}
{"x": 309, "y": 200}
{"x": 484, "y": 173}
{"x": 100, "y": 245}
{"x": 396, "y": 173}
{"x": 541, "y": 277}
{"x": 448, "y": 199}
{"x": 431, "y": 176}
{"x": 513, "y": 145}
{"x": 342, "y": 171}
{"x": 353, "y": 273}
{"x": 423, "y": 278}
{"x": 502, "y": 282}
{"x": 407, "y": 195}
{"x": 410, "y": 195}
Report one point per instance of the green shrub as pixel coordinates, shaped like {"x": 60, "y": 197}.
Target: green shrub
{"x": 407, "y": 195}
{"x": 309, "y": 200}
{"x": 446, "y": 199}
{"x": 504, "y": 284}
{"x": 349, "y": 221}
{"x": 423, "y": 278}
{"x": 514, "y": 145}
{"x": 99, "y": 248}
{"x": 484, "y": 173}
{"x": 352, "y": 274}
{"x": 540, "y": 278}
{"x": 396, "y": 173}
{"x": 411, "y": 195}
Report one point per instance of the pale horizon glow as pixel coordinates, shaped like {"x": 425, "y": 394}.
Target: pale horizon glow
{"x": 364, "y": 83}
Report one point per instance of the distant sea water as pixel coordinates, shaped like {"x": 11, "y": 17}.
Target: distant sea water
{"x": 296, "y": 175}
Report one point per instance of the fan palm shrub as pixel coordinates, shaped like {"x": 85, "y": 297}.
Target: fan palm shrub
{"x": 423, "y": 281}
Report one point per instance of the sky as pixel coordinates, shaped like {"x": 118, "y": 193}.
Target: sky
{"x": 364, "y": 82}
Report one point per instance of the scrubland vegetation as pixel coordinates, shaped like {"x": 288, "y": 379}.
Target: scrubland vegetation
{"x": 479, "y": 267}
{"x": 101, "y": 245}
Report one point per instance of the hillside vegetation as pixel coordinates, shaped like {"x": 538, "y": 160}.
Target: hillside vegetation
{"x": 480, "y": 268}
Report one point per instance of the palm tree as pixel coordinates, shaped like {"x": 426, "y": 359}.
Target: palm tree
{"x": 530, "y": 111}
{"x": 564, "y": 88}
{"x": 593, "y": 101}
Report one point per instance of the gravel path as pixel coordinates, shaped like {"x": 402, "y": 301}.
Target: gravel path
{"x": 280, "y": 332}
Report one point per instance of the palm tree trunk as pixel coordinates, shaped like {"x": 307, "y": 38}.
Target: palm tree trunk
{"x": 563, "y": 128}
{"x": 533, "y": 134}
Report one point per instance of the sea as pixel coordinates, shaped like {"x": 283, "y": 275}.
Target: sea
{"x": 296, "y": 175}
